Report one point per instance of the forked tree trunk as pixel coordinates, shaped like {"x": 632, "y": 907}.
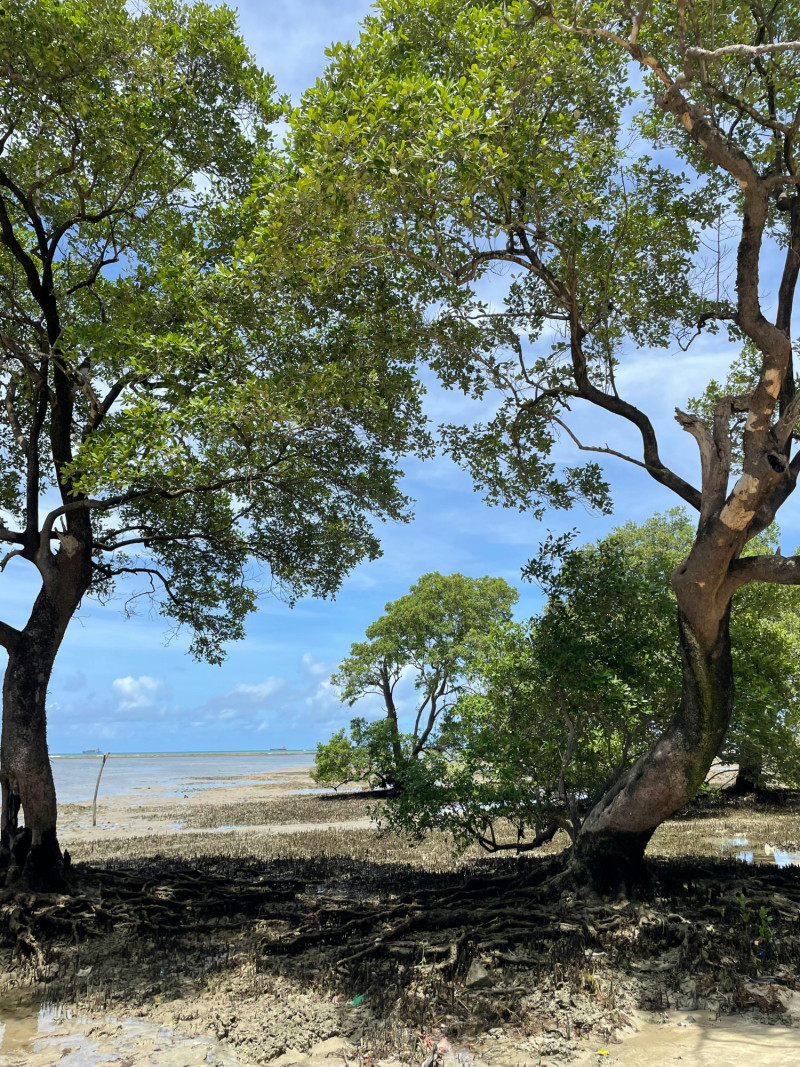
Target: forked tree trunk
{"x": 31, "y": 853}
{"x": 608, "y": 854}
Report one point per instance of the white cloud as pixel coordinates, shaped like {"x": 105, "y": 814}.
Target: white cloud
{"x": 314, "y": 667}
{"x": 255, "y": 694}
{"x": 137, "y": 692}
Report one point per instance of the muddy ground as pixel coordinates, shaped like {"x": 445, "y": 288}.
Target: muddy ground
{"x": 277, "y": 943}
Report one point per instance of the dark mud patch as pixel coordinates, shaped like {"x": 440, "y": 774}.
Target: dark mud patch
{"x": 282, "y": 810}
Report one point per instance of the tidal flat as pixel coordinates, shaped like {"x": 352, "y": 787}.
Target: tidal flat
{"x": 258, "y": 924}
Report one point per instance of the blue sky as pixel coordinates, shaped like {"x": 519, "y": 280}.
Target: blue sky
{"x": 120, "y": 685}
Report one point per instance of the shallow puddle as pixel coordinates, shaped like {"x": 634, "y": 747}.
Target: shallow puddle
{"x": 34, "y": 1034}
{"x": 22, "y": 1021}
{"x": 753, "y": 853}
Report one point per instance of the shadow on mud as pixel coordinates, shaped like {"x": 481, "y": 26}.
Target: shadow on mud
{"x": 424, "y": 946}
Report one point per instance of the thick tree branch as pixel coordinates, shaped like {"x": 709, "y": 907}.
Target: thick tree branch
{"x": 33, "y": 465}
{"x": 786, "y": 293}
{"x": 778, "y": 570}
{"x": 780, "y": 494}
{"x": 9, "y": 636}
{"x": 617, "y": 406}
{"x": 9, "y": 239}
{"x": 715, "y": 455}
{"x": 784, "y": 427}
{"x": 12, "y": 537}
{"x": 29, "y": 207}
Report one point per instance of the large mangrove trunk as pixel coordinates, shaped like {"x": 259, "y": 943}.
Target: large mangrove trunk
{"x": 30, "y": 852}
{"x": 608, "y": 854}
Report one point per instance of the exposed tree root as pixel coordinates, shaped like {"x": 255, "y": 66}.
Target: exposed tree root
{"x": 346, "y": 926}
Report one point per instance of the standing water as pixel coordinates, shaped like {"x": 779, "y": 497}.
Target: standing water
{"x": 171, "y": 774}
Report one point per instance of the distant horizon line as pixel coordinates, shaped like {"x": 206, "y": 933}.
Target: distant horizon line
{"x": 90, "y": 754}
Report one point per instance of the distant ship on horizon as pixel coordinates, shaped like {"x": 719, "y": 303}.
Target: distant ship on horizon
{"x": 282, "y": 748}
{"x": 91, "y": 752}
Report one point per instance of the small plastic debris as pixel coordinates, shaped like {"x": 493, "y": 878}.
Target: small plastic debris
{"x": 358, "y": 1000}
{"x": 603, "y": 1052}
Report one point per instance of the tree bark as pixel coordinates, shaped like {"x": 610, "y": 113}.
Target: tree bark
{"x": 608, "y": 854}
{"x": 31, "y": 853}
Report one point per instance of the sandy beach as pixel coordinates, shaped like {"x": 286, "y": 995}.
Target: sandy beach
{"x": 187, "y": 908}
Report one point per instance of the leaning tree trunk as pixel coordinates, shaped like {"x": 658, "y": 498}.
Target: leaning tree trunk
{"x": 608, "y": 854}
{"x": 31, "y": 853}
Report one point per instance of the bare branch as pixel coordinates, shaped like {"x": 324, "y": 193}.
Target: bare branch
{"x": 750, "y": 51}
{"x": 595, "y": 448}
{"x": 661, "y": 473}
{"x": 136, "y": 494}
{"x": 113, "y": 394}
{"x": 543, "y": 837}
{"x": 9, "y": 556}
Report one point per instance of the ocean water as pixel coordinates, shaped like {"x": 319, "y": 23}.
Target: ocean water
{"x": 172, "y": 775}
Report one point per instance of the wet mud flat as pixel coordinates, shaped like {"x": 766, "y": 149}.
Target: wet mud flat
{"x": 280, "y": 946}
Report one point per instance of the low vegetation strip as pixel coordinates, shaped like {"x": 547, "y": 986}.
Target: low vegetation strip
{"x": 331, "y": 808}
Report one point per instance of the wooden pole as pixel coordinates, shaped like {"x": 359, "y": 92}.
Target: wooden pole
{"x": 97, "y": 786}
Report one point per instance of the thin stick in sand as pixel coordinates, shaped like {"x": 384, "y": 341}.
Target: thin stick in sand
{"x": 97, "y": 786}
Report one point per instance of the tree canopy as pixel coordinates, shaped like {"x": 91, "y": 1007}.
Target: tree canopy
{"x": 563, "y": 705}
{"x": 172, "y": 420}
{"x": 436, "y": 634}
{"x": 203, "y": 420}
{"x": 523, "y": 145}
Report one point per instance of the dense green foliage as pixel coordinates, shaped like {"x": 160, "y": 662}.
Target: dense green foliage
{"x": 569, "y": 701}
{"x": 451, "y": 141}
{"x": 225, "y": 431}
{"x": 437, "y": 633}
{"x": 515, "y": 153}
